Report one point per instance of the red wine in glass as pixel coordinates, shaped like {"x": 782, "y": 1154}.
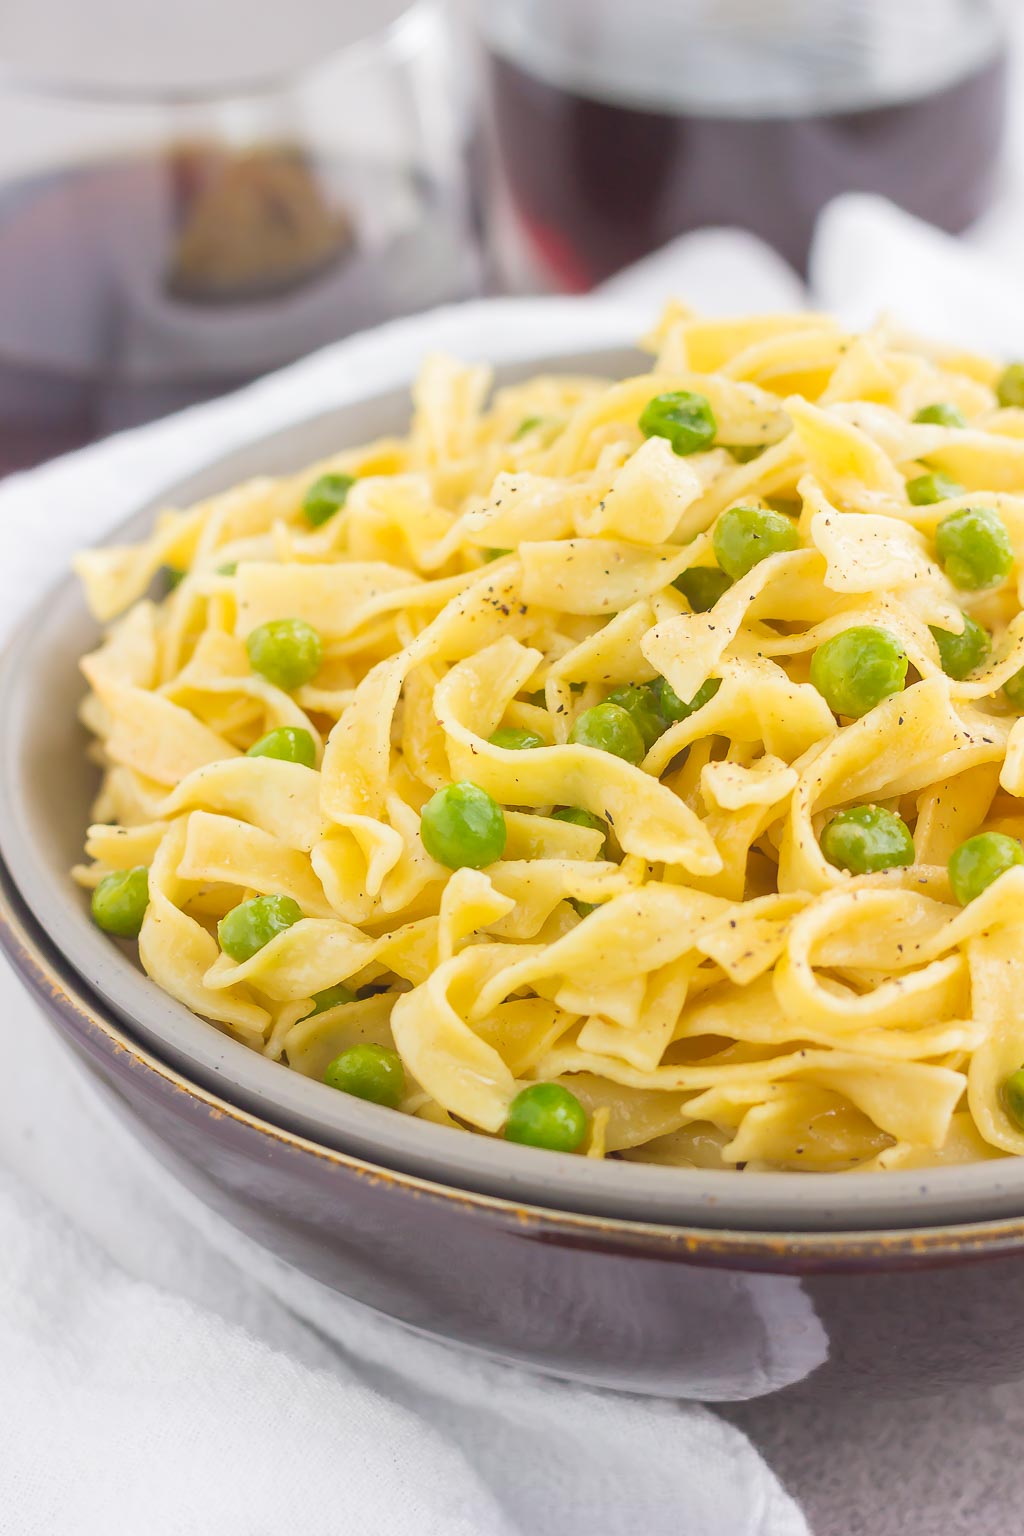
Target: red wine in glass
{"x": 618, "y": 128}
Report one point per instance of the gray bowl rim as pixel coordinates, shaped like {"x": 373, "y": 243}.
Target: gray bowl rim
{"x": 45, "y": 647}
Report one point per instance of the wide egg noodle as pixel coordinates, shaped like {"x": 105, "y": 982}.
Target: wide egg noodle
{"x": 714, "y": 992}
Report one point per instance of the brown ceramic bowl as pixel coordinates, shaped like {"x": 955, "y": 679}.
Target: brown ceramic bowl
{"x": 714, "y": 1285}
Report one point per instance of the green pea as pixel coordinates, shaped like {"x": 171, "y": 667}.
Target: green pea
{"x": 578, "y": 817}
{"x": 858, "y": 668}
{"x": 229, "y": 568}
{"x": 941, "y": 414}
{"x": 528, "y": 424}
{"x": 609, "y": 728}
{"x": 982, "y": 859}
{"x": 248, "y": 927}
{"x": 640, "y": 701}
{"x": 582, "y": 908}
{"x": 926, "y": 490}
{"x": 173, "y": 577}
{"x": 745, "y": 453}
{"x": 1010, "y": 388}
{"x": 702, "y": 586}
{"x": 120, "y": 900}
{"x": 866, "y": 838}
{"x": 1014, "y": 689}
{"x": 974, "y": 548}
{"x": 331, "y": 997}
{"x": 964, "y": 653}
{"x": 495, "y": 554}
{"x": 325, "y": 497}
{"x": 1013, "y": 1097}
{"x": 746, "y": 535}
{"x": 370, "y": 1072}
{"x": 287, "y": 652}
{"x": 512, "y": 739}
{"x": 684, "y": 418}
{"x": 289, "y": 743}
{"x": 672, "y": 706}
{"x": 462, "y": 827}
{"x": 547, "y": 1115}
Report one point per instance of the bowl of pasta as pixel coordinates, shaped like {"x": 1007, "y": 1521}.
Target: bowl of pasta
{"x": 572, "y": 818}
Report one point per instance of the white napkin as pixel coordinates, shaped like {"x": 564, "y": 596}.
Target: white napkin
{"x": 159, "y": 1373}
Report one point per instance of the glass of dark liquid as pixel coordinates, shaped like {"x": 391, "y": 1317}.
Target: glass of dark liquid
{"x": 166, "y": 236}
{"x": 621, "y": 123}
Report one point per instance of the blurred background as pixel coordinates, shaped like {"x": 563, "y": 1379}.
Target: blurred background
{"x": 191, "y": 195}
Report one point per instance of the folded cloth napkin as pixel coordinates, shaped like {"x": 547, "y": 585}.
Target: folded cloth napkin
{"x": 159, "y": 1373}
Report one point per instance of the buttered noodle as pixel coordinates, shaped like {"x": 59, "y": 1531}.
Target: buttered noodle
{"x": 709, "y": 986}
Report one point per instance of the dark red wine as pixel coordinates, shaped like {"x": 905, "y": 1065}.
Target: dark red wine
{"x": 132, "y": 288}
{"x": 598, "y": 183}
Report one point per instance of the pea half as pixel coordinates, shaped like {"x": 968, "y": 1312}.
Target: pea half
{"x": 370, "y": 1072}
{"x": 1014, "y": 689}
{"x": 120, "y": 900}
{"x": 962, "y": 654}
{"x": 512, "y": 739}
{"x": 640, "y": 701}
{"x": 1010, "y": 388}
{"x": 287, "y": 652}
{"x": 702, "y": 586}
{"x": 547, "y": 1115}
{"x": 245, "y": 930}
{"x": 926, "y": 490}
{"x": 974, "y": 548}
{"x": 941, "y": 414}
{"x": 867, "y": 838}
{"x": 744, "y": 536}
{"x": 331, "y": 997}
{"x": 325, "y": 497}
{"x": 683, "y": 417}
{"x": 1013, "y": 1097}
{"x": 675, "y": 709}
{"x": 462, "y": 827}
{"x": 289, "y": 743}
{"x": 981, "y": 860}
{"x": 609, "y": 728}
{"x": 578, "y": 817}
{"x": 858, "y": 668}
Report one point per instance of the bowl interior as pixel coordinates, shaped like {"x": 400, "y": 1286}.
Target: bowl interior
{"x": 46, "y": 787}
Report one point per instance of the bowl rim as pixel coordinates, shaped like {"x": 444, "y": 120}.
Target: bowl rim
{"x": 75, "y": 1011}
{"x": 575, "y": 334}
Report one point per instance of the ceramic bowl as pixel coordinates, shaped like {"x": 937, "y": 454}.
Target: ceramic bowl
{"x": 713, "y": 1285}
{"x": 46, "y": 786}
{"x": 676, "y": 1309}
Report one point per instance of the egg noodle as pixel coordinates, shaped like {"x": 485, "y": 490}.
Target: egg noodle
{"x": 711, "y": 988}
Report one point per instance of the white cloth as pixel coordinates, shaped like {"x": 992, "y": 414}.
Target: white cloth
{"x": 160, "y": 1373}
